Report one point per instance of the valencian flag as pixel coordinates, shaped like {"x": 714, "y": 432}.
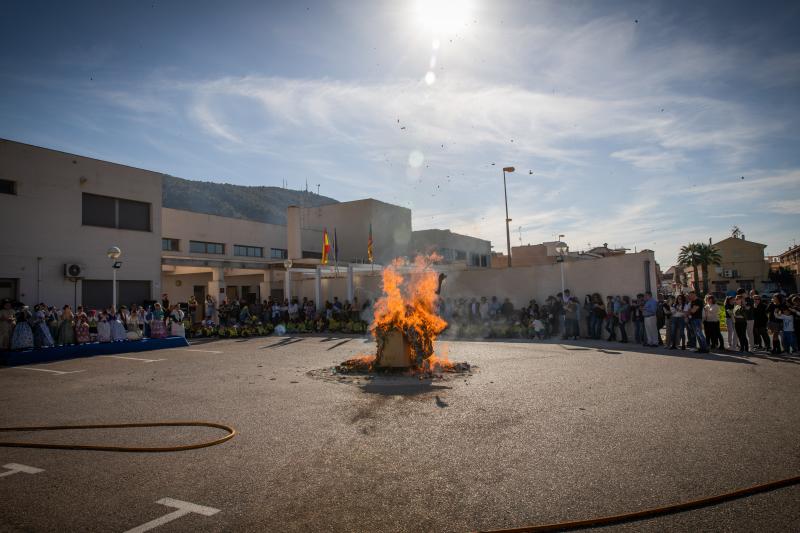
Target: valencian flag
{"x": 369, "y": 244}
{"x": 326, "y": 247}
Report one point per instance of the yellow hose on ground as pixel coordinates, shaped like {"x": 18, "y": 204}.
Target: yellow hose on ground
{"x": 103, "y": 448}
{"x": 652, "y": 513}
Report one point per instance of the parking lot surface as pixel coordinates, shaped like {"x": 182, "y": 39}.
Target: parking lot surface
{"x": 538, "y": 433}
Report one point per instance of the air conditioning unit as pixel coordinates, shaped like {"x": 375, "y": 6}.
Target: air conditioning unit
{"x": 73, "y": 270}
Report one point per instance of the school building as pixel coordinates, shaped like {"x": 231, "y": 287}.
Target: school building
{"x": 62, "y": 212}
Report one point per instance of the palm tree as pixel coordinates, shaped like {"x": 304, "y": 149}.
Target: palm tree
{"x": 699, "y": 256}
{"x": 689, "y": 256}
{"x": 708, "y": 255}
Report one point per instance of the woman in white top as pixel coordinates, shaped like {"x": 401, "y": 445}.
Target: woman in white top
{"x": 678, "y": 322}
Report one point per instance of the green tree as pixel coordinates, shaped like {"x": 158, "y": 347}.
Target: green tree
{"x": 708, "y": 256}
{"x": 784, "y": 278}
{"x": 699, "y": 256}
{"x": 689, "y": 256}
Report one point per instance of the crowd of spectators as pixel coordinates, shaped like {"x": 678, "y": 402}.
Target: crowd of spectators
{"x": 44, "y": 326}
{"x": 752, "y": 322}
{"x": 674, "y": 322}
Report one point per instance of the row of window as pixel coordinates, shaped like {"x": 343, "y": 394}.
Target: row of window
{"x": 472, "y": 259}
{"x": 218, "y": 248}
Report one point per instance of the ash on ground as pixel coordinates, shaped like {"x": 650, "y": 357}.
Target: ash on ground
{"x": 363, "y": 368}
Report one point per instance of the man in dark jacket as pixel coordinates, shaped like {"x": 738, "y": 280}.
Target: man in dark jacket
{"x": 760, "y": 319}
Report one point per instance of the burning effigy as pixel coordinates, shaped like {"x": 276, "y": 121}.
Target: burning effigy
{"x": 406, "y": 322}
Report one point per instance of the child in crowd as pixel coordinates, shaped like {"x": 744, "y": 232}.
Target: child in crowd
{"x": 103, "y": 328}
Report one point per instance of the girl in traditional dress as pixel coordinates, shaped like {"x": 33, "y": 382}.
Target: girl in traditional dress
{"x": 118, "y": 332}
{"x": 132, "y": 322}
{"x": 66, "y": 327}
{"x": 82, "y": 334}
{"x": 177, "y": 328}
{"x": 6, "y": 325}
{"x": 41, "y": 332}
{"x": 157, "y": 328}
{"x": 103, "y": 328}
{"x": 22, "y": 338}
{"x": 52, "y": 321}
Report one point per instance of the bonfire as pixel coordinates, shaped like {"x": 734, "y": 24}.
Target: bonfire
{"x": 406, "y": 323}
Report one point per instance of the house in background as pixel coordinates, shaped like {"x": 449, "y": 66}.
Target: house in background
{"x": 742, "y": 267}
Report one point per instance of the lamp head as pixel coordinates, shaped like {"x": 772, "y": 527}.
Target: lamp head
{"x": 287, "y": 264}
{"x": 508, "y": 169}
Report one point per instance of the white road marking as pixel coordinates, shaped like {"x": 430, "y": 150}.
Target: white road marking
{"x": 14, "y": 468}
{"x": 204, "y": 351}
{"x": 181, "y": 509}
{"x": 134, "y": 358}
{"x": 59, "y": 372}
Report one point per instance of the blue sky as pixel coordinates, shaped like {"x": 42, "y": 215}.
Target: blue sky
{"x": 640, "y": 124}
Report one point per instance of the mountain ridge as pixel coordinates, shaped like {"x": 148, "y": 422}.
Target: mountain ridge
{"x": 250, "y": 202}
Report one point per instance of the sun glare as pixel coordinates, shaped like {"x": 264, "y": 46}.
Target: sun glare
{"x": 444, "y": 16}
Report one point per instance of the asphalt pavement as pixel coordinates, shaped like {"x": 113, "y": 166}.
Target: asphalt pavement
{"x": 538, "y": 433}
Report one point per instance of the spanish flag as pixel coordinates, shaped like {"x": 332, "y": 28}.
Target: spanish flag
{"x": 326, "y": 247}
{"x": 369, "y": 244}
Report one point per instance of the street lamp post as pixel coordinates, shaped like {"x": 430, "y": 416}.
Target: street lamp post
{"x": 113, "y": 253}
{"x": 508, "y": 220}
{"x": 562, "y": 249}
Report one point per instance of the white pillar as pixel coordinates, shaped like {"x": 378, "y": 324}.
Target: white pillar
{"x": 318, "y": 288}
{"x": 350, "y": 283}
{"x": 216, "y": 287}
{"x": 287, "y": 284}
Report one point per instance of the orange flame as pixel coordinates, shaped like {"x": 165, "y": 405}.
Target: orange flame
{"x": 409, "y": 304}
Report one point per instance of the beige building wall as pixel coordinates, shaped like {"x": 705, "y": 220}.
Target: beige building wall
{"x": 43, "y": 229}
{"x": 619, "y": 275}
{"x": 391, "y": 229}
{"x": 189, "y": 226}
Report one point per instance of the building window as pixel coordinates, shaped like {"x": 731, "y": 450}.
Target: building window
{"x": 312, "y": 255}
{"x": 170, "y": 245}
{"x": 199, "y": 247}
{"x": 108, "y": 212}
{"x": 278, "y": 253}
{"x": 8, "y": 187}
{"x": 484, "y": 260}
{"x": 461, "y": 255}
{"x": 248, "y": 251}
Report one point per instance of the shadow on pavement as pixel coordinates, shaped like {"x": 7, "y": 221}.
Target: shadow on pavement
{"x": 617, "y": 348}
{"x": 285, "y": 342}
{"x": 339, "y": 344}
